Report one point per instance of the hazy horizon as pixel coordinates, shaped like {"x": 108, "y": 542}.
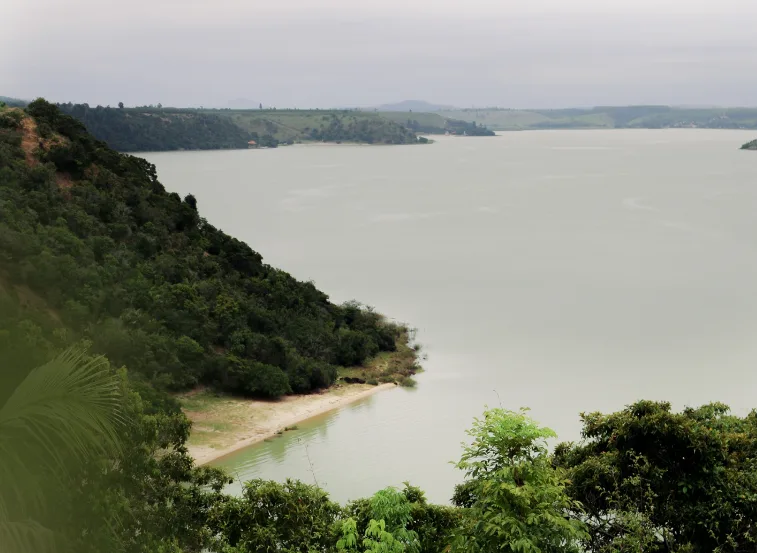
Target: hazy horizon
{"x": 543, "y": 55}
{"x": 252, "y": 106}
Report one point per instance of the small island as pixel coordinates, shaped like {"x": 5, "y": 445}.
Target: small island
{"x": 750, "y": 145}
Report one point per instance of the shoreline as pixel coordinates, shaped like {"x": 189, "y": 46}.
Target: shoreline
{"x": 223, "y": 425}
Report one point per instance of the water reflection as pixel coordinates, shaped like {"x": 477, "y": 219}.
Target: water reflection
{"x": 296, "y": 453}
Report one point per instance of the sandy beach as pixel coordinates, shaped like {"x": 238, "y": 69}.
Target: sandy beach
{"x": 222, "y": 425}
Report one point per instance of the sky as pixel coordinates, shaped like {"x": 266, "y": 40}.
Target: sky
{"x": 339, "y": 53}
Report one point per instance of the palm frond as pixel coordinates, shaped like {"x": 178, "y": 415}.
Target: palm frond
{"x": 65, "y": 411}
{"x": 26, "y": 537}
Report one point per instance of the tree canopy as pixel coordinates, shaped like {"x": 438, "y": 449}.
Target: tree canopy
{"x": 666, "y": 481}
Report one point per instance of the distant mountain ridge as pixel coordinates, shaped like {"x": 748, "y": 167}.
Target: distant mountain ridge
{"x": 241, "y": 103}
{"x": 13, "y": 102}
{"x": 414, "y": 105}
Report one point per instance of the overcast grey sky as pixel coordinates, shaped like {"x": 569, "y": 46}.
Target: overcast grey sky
{"x": 525, "y": 53}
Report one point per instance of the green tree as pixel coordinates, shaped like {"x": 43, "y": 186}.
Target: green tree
{"x": 666, "y": 481}
{"x": 377, "y": 539}
{"x": 387, "y": 528}
{"x": 289, "y": 517}
{"x": 425, "y": 527}
{"x": 518, "y": 499}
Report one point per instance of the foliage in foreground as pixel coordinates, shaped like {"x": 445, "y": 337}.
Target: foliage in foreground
{"x": 59, "y": 416}
{"x": 269, "y": 516}
{"x": 88, "y": 466}
{"x": 667, "y": 481}
{"x": 518, "y": 501}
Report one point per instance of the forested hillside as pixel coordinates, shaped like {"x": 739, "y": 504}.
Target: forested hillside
{"x": 161, "y": 129}
{"x": 136, "y": 270}
{"x": 151, "y": 129}
{"x": 12, "y": 102}
{"x": 297, "y": 125}
{"x": 436, "y": 123}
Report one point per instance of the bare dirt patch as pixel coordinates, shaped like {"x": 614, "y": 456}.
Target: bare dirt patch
{"x": 64, "y": 181}
{"x": 29, "y": 140}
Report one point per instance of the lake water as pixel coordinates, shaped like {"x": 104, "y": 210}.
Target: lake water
{"x": 565, "y": 271}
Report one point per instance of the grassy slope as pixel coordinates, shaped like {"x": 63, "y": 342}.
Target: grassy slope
{"x": 435, "y": 123}
{"x": 389, "y": 366}
{"x": 296, "y": 125}
{"x": 284, "y": 125}
{"x": 499, "y": 119}
{"x": 425, "y": 119}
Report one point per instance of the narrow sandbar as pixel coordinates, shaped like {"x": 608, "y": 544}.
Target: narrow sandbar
{"x": 222, "y": 424}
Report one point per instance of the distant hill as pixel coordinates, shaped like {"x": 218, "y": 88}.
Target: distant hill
{"x": 242, "y": 103}
{"x": 144, "y": 129}
{"x": 13, "y": 102}
{"x": 436, "y": 123}
{"x": 610, "y": 117}
{"x": 160, "y": 129}
{"x": 414, "y": 105}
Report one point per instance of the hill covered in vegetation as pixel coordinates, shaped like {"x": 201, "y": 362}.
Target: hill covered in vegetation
{"x": 152, "y": 128}
{"x": 752, "y": 145}
{"x": 634, "y": 117}
{"x": 155, "y": 129}
{"x": 137, "y": 271}
{"x": 289, "y": 126}
{"x": 414, "y": 105}
{"x": 436, "y": 123}
{"x": 12, "y": 102}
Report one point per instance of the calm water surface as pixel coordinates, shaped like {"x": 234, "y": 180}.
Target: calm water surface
{"x": 567, "y": 270}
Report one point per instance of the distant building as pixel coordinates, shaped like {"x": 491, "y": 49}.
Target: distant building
{"x": 252, "y": 144}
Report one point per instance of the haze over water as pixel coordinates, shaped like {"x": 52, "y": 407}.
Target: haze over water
{"x": 567, "y": 270}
